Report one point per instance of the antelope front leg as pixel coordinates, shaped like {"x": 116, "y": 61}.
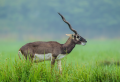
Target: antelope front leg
{"x": 59, "y": 66}
{"x": 52, "y": 62}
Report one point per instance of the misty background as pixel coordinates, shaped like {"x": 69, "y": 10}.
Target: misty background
{"x": 39, "y": 19}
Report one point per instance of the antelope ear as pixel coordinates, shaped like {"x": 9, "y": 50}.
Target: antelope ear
{"x": 68, "y": 34}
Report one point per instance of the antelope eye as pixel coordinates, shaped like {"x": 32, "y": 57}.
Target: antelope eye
{"x": 77, "y": 36}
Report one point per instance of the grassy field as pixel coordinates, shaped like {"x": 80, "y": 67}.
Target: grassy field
{"x": 97, "y": 61}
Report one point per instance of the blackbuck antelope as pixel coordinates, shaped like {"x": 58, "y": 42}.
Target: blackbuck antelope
{"x": 54, "y": 51}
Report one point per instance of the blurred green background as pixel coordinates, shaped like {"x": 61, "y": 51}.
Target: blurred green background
{"x": 98, "y": 21}
{"x": 39, "y": 19}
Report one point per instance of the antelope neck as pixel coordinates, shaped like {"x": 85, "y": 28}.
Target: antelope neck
{"x": 68, "y": 46}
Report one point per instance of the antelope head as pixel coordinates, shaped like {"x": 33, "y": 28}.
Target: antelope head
{"x": 76, "y": 38}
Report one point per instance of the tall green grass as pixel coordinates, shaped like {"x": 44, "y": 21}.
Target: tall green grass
{"x": 98, "y": 61}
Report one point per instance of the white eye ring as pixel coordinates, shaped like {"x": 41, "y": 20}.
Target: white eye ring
{"x": 78, "y": 37}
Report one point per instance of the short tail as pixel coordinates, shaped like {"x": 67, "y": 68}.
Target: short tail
{"x": 19, "y": 52}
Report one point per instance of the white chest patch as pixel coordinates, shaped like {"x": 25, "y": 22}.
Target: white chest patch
{"x": 41, "y": 57}
{"x": 60, "y": 56}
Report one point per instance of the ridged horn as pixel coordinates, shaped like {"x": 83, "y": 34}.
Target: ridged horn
{"x": 68, "y": 24}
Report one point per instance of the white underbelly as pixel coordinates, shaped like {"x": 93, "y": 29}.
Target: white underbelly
{"x": 41, "y": 57}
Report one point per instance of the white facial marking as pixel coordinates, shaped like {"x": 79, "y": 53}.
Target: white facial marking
{"x": 41, "y": 57}
{"x": 77, "y": 38}
{"x": 83, "y": 43}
